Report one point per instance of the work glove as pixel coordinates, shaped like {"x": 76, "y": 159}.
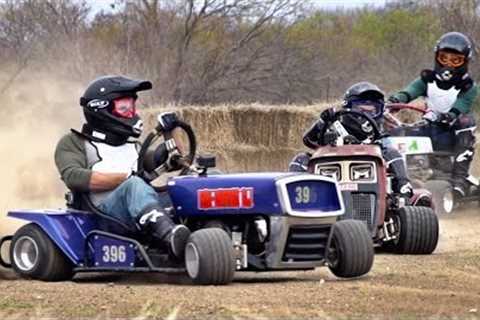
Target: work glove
{"x": 328, "y": 115}
{"x": 167, "y": 121}
{"x": 447, "y": 118}
{"x": 394, "y": 99}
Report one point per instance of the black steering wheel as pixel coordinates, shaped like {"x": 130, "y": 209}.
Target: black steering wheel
{"x": 352, "y": 116}
{"x": 177, "y": 161}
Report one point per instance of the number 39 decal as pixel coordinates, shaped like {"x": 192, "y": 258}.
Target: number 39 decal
{"x": 302, "y": 194}
{"x": 113, "y": 254}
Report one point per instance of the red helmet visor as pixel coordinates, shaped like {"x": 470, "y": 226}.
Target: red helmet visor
{"x": 124, "y": 107}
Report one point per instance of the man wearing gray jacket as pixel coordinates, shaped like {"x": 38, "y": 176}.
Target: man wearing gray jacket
{"x": 101, "y": 161}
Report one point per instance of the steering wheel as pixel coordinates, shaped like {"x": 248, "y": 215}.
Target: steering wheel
{"x": 392, "y": 120}
{"x": 353, "y": 116}
{"x": 174, "y": 158}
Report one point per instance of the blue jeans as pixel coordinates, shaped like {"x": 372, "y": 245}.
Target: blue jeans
{"x": 131, "y": 199}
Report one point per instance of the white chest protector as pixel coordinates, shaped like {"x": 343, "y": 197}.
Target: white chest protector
{"x": 116, "y": 159}
{"x": 440, "y": 100}
{"x": 105, "y": 158}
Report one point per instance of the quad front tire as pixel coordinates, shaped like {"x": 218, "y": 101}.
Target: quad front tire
{"x": 209, "y": 257}
{"x": 351, "y": 251}
{"x": 34, "y": 255}
{"x": 442, "y": 196}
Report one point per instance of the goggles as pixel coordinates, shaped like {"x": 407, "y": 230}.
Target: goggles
{"x": 124, "y": 107}
{"x": 372, "y": 108}
{"x": 450, "y": 59}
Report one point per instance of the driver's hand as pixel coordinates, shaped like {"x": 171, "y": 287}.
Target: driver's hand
{"x": 394, "y": 99}
{"x": 447, "y": 118}
{"x": 328, "y": 115}
{"x": 167, "y": 121}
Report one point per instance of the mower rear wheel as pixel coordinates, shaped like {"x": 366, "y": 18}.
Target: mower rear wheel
{"x": 209, "y": 257}
{"x": 34, "y": 255}
{"x": 418, "y": 231}
{"x": 442, "y": 196}
{"x": 351, "y": 249}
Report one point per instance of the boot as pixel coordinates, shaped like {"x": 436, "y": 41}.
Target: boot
{"x": 158, "y": 224}
{"x": 460, "y": 171}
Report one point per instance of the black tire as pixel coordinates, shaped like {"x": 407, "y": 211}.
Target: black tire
{"x": 47, "y": 262}
{"x": 418, "y": 231}
{"x": 351, "y": 249}
{"x": 209, "y": 257}
{"x": 442, "y": 196}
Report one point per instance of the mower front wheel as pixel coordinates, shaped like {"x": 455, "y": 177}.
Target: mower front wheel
{"x": 209, "y": 257}
{"x": 351, "y": 251}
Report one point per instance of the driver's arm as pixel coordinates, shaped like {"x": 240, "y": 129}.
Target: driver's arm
{"x": 100, "y": 181}
{"x": 71, "y": 162}
{"x": 311, "y": 138}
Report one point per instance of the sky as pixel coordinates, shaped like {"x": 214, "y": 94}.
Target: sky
{"x": 98, "y": 5}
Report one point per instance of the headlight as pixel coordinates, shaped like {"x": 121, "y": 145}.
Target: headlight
{"x": 362, "y": 172}
{"x": 332, "y": 171}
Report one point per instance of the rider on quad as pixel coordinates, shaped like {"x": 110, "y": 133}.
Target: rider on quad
{"x": 101, "y": 161}
{"x": 449, "y": 93}
{"x": 368, "y": 99}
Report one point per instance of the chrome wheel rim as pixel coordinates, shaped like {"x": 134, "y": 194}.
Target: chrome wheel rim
{"x": 448, "y": 202}
{"x": 25, "y": 253}
{"x": 192, "y": 260}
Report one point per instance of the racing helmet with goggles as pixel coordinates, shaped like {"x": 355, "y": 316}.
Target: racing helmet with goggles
{"x": 453, "y": 51}
{"x": 109, "y": 107}
{"x": 368, "y": 99}
{"x": 365, "y": 97}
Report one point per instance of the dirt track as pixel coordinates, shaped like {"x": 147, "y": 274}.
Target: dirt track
{"x": 444, "y": 285}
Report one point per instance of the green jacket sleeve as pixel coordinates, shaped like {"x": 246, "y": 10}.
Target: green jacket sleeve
{"x": 71, "y": 162}
{"x": 465, "y": 100}
{"x": 416, "y": 88}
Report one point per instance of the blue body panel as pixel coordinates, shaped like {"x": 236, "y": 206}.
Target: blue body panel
{"x": 254, "y": 193}
{"x": 184, "y": 193}
{"x": 68, "y": 229}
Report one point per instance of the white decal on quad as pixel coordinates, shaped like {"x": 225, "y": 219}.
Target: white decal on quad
{"x": 114, "y": 254}
{"x": 302, "y": 194}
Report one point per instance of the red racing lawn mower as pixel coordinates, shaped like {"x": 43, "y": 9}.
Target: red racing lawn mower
{"x": 397, "y": 225}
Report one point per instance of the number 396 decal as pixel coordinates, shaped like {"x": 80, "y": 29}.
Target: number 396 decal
{"x": 113, "y": 254}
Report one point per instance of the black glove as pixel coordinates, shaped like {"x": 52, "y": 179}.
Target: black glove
{"x": 393, "y": 99}
{"x": 167, "y": 121}
{"x": 328, "y": 115}
{"x": 447, "y": 118}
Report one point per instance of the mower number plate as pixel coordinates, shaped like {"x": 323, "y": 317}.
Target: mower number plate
{"x": 111, "y": 252}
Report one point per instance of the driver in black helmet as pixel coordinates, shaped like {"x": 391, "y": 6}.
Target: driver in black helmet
{"x": 368, "y": 99}
{"x": 449, "y": 92}
{"x": 101, "y": 161}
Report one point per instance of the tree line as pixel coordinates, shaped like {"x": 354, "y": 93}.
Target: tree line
{"x": 226, "y": 51}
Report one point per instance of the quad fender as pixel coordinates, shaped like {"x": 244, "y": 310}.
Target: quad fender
{"x": 66, "y": 228}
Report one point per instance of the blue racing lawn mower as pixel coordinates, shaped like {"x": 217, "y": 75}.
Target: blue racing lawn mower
{"x": 239, "y": 222}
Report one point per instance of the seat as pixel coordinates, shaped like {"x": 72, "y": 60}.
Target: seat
{"x": 81, "y": 201}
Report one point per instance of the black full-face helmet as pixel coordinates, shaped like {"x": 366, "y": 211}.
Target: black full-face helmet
{"x": 367, "y": 98}
{"x": 109, "y": 105}
{"x": 453, "y": 51}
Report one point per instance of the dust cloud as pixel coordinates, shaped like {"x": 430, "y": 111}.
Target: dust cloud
{"x": 37, "y": 109}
